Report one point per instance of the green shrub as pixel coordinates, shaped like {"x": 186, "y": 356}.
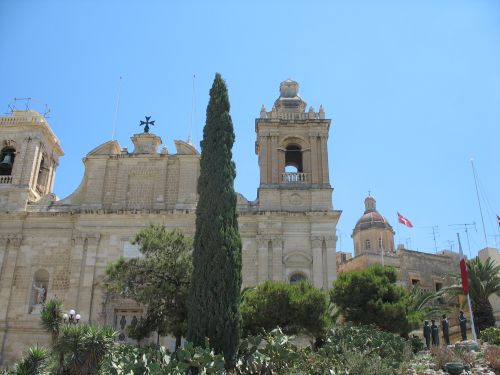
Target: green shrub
{"x": 491, "y": 335}
{"x": 416, "y": 344}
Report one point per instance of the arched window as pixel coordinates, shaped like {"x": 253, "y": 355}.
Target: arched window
{"x": 297, "y": 277}
{"x": 293, "y": 158}
{"x": 7, "y": 156}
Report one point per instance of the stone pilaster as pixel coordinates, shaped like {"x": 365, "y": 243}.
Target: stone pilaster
{"x": 316, "y": 242}
{"x": 331, "y": 266}
{"x": 277, "y": 259}
{"x": 263, "y": 259}
{"x": 86, "y": 289}
{"x": 275, "y": 170}
{"x": 78, "y": 258}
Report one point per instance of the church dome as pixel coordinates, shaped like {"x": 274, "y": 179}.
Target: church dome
{"x": 371, "y": 217}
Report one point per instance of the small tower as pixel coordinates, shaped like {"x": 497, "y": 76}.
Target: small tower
{"x": 29, "y": 156}
{"x": 372, "y": 232}
{"x": 293, "y": 155}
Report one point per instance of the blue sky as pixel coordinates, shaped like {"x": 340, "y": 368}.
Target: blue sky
{"x": 412, "y": 88}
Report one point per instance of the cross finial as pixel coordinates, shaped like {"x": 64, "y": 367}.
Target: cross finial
{"x": 146, "y": 123}
{"x": 369, "y": 193}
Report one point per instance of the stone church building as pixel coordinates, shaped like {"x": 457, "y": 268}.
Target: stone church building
{"x": 51, "y": 247}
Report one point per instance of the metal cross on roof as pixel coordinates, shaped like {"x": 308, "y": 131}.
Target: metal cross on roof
{"x": 146, "y": 123}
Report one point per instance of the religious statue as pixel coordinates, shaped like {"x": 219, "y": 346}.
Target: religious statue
{"x": 434, "y": 333}
{"x": 427, "y": 334}
{"x": 463, "y": 325}
{"x": 40, "y": 297}
{"x": 445, "y": 326}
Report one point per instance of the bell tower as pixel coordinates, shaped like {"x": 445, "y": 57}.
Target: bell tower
{"x": 29, "y": 156}
{"x": 293, "y": 155}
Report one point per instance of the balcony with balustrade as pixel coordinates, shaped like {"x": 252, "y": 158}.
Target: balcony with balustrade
{"x": 294, "y": 177}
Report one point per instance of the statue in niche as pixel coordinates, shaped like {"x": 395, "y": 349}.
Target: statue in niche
{"x": 41, "y": 294}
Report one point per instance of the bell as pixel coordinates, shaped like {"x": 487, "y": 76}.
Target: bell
{"x": 7, "y": 161}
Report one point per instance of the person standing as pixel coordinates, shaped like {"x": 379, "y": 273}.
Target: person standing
{"x": 463, "y": 325}
{"x": 427, "y": 334}
{"x": 445, "y": 326}
{"x": 434, "y": 333}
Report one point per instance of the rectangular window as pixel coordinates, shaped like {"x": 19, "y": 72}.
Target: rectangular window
{"x": 368, "y": 245}
{"x": 415, "y": 282}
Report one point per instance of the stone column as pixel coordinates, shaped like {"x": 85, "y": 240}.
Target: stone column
{"x": 87, "y": 285}
{"x": 317, "y": 269}
{"x": 263, "y": 159}
{"x": 314, "y": 159}
{"x": 275, "y": 170}
{"x": 263, "y": 259}
{"x": 324, "y": 160}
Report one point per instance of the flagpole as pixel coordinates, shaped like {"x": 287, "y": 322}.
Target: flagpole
{"x": 472, "y": 326}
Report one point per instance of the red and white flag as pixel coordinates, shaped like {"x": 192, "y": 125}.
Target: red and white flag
{"x": 498, "y": 219}
{"x": 463, "y": 268}
{"x": 404, "y": 220}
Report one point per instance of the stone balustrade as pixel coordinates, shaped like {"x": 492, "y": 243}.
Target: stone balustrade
{"x": 294, "y": 177}
{"x": 5, "y": 179}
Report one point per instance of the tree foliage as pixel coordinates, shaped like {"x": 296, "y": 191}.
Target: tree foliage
{"x": 160, "y": 279}
{"x": 216, "y": 283}
{"x": 371, "y": 296}
{"x": 293, "y": 308}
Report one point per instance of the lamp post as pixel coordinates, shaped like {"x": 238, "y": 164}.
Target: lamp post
{"x": 71, "y": 317}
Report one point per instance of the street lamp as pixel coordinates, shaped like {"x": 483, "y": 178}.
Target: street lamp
{"x": 72, "y": 317}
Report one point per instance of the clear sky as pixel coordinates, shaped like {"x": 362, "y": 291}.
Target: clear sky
{"x": 412, "y": 88}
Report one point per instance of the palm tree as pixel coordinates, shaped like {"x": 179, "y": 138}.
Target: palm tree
{"x": 52, "y": 318}
{"x": 484, "y": 281}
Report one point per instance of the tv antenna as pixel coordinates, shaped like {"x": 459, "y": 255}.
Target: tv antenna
{"x": 451, "y": 244}
{"x": 466, "y": 227}
{"x": 26, "y": 102}
{"x": 435, "y": 233}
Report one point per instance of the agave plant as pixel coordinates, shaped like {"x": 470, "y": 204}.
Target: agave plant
{"x": 83, "y": 348}
{"x": 52, "y": 318}
{"x": 34, "y": 362}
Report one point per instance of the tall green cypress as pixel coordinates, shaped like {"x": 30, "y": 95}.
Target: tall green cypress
{"x": 216, "y": 282}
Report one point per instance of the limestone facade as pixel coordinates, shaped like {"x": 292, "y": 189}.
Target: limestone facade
{"x": 64, "y": 246}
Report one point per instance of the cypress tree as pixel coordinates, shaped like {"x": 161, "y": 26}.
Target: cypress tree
{"x": 215, "y": 287}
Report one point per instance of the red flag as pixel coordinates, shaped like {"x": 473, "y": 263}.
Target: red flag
{"x": 463, "y": 268}
{"x": 404, "y": 220}
{"x": 498, "y": 219}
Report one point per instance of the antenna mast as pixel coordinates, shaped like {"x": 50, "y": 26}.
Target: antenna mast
{"x": 193, "y": 105}
{"x": 115, "y": 116}
{"x": 479, "y": 201}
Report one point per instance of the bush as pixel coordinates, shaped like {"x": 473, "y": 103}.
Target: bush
{"x": 442, "y": 355}
{"x": 416, "y": 344}
{"x": 293, "y": 308}
{"x": 492, "y": 356}
{"x": 491, "y": 335}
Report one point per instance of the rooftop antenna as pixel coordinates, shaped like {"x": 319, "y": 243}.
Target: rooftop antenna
{"x": 466, "y": 227}
{"x": 479, "y": 201}
{"x": 115, "y": 116}
{"x": 435, "y": 232}
{"x": 193, "y": 103}
{"x": 451, "y": 244}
